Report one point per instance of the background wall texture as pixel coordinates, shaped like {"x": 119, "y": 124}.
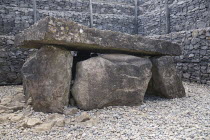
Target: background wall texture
{"x": 189, "y": 22}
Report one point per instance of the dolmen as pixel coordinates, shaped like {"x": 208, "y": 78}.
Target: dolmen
{"x": 125, "y": 68}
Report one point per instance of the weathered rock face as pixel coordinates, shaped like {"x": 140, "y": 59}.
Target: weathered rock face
{"x": 78, "y": 37}
{"x": 165, "y": 80}
{"x": 46, "y": 79}
{"x": 111, "y": 80}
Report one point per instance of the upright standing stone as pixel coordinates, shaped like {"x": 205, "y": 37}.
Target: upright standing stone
{"x": 111, "y": 80}
{"x": 165, "y": 80}
{"x": 47, "y": 77}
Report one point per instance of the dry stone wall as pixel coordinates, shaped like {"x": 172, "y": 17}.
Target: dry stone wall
{"x": 184, "y": 15}
{"x": 18, "y": 15}
{"x": 194, "y": 63}
{"x": 115, "y": 15}
{"x": 11, "y": 61}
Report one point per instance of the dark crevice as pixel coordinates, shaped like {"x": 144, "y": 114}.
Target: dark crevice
{"x": 78, "y": 57}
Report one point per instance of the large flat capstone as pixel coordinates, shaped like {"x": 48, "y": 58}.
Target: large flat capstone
{"x": 69, "y": 34}
{"x": 111, "y": 80}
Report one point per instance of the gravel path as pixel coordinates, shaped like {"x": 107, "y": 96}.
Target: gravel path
{"x": 158, "y": 119}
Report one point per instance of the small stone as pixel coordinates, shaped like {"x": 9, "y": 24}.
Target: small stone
{"x": 62, "y": 28}
{"x": 6, "y": 101}
{"x": 92, "y": 122}
{"x": 14, "y": 103}
{"x": 195, "y": 41}
{"x": 4, "y": 108}
{"x": 69, "y": 121}
{"x": 70, "y": 111}
{"x": 10, "y": 42}
{"x": 4, "y": 118}
{"x": 31, "y": 122}
{"x": 60, "y": 122}
{"x": 186, "y": 75}
{"x": 2, "y": 111}
{"x": 191, "y": 55}
{"x": 44, "y": 127}
{"x": 54, "y": 116}
{"x": 17, "y": 106}
{"x": 83, "y": 117}
{"x": 57, "y": 118}
{"x": 195, "y": 33}
{"x": 19, "y": 97}
{"x": 16, "y": 117}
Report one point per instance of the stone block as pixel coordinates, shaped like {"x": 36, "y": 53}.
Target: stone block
{"x": 47, "y": 78}
{"x": 75, "y": 36}
{"x": 111, "y": 80}
{"x": 165, "y": 80}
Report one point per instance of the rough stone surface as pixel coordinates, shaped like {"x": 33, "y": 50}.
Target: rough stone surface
{"x": 108, "y": 15}
{"x": 117, "y": 15}
{"x": 184, "y": 15}
{"x": 83, "y": 117}
{"x": 31, "y": 122}
{"x": 11, "y": 61}
{"x": 165, "y": 80}
{"x": 78, "y": 37}
{"x": 111, "y": 80}
{"x": 44, "y": 127}
{"x": 46, "y": 78}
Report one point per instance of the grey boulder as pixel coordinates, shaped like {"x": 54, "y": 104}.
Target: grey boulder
{"x": 111, "y": 80}
{"x": 46, "y": 79}
{"x": 165, "y": 82}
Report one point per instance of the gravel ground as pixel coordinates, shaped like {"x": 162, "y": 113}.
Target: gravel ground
{"x": 157, "y": 119}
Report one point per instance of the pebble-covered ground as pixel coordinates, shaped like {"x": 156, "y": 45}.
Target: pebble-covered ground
{"x": 157, "y": 119}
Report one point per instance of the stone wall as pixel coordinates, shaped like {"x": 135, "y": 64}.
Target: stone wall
{"x": 11, "y": 61}
{"x": 194, "y": 63}
{"x": 184, "y": 15}
{"x": 117, "y": 15}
